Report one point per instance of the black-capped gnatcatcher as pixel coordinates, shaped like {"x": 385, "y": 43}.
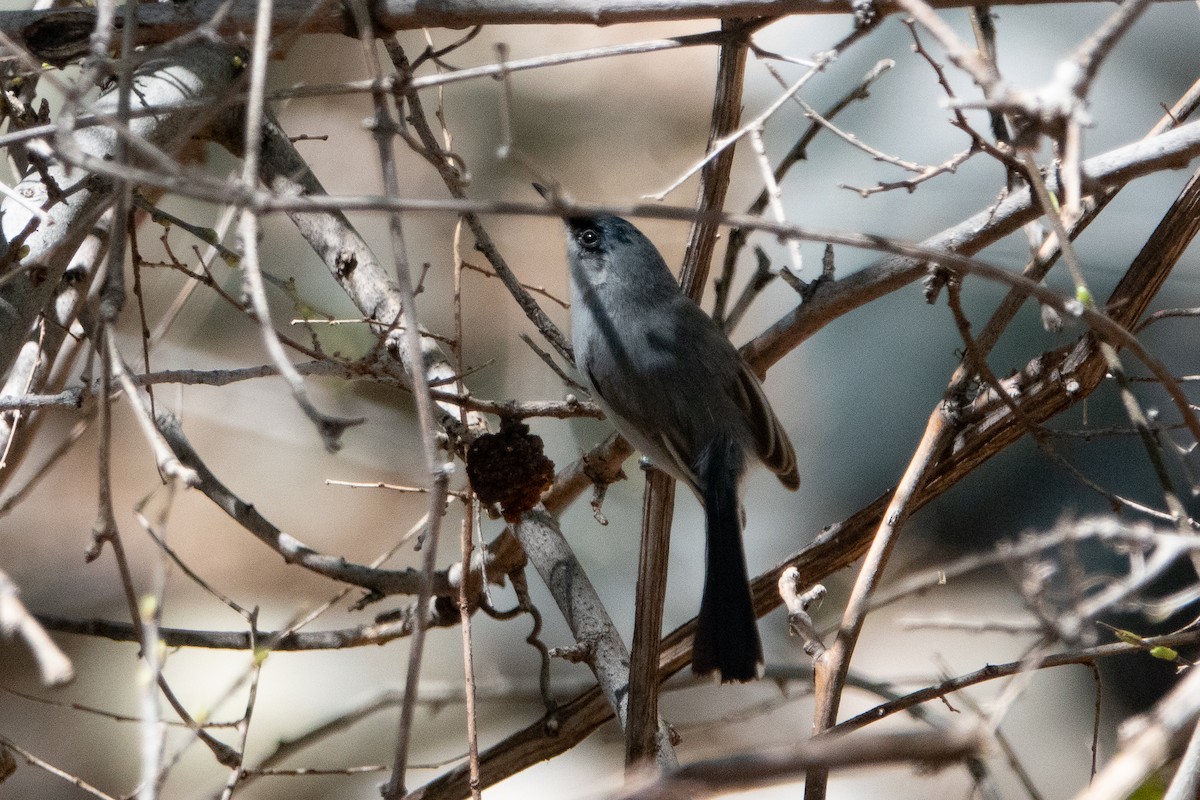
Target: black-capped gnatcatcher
{"x": 674, "y": 386}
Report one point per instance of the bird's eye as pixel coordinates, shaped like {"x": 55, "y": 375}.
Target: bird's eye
{"x": 589, "y": 238}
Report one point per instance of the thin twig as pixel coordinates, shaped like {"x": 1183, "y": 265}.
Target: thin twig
{"x": 1159, "y": 736}
{"x": 718, "y": 146}
{"x": 976, "y": 361}
{"x": 765, "y": 767}
{"x": 330, "y": 428}
{"x": 1186, "y": 783}
{"x": 384, "y": 129}
{"x": 427, "y": 146}
{"x": 54, "y": 666}
{"x": 294, "y": 551}
{"x": 1119, "y": 166}
{"x": 775, "y": 197}
{"x": 466, "y": 606}
{"x": 45, "y": 766}
{"x": 1083, "y": 294}
{"x": 530, "y": 287}
{"x": 1085, "y": 656}
{"x": 799, "y": 151}
{"x": 831, "y": 667}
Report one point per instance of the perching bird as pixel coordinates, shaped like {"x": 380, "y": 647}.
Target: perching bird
{"x": 674, "y": 386}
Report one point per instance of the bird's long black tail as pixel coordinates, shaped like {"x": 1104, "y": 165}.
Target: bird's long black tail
{"x": 727, "y": 631}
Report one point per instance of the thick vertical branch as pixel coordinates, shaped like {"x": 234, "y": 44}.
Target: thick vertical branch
{"x": 714, "y": 178}
{"x": 657, "y": 511}
{"x": 659, "y": 497}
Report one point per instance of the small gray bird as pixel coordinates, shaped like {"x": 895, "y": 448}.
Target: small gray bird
{"x": 674, "y": 386}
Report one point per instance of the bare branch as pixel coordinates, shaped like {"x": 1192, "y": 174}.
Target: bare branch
{"x": 61, "y": 35}
{"x": 194, "y": 74}
{"x": 930, "y": 749}
{"x": 15, "y": 620}
{"x": 1151, "y": 740}
{"x": 607, "y": 656}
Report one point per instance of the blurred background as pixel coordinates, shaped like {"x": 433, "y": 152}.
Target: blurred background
{"x": 854, "y": 399}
